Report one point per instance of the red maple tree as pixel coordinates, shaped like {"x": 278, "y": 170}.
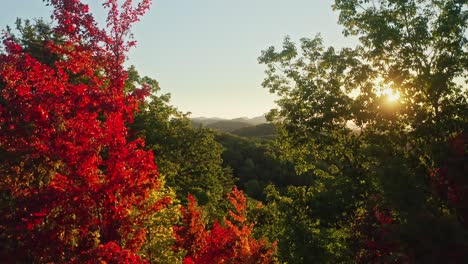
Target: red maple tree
{"x": 73, "y": 187}
{"x": 375, "y": 235}
{"x": 232, "y": 243}
{"x": 449, "y": 180}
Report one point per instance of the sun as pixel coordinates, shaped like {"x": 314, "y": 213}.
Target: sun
{"x": 391, "y": 95}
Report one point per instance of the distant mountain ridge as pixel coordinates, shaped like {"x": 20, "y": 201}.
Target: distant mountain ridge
{"x": 256, "y": 127}
{"x": 253, "y": 121}
{"x": 205, "y": 120}
{"x": 228, "y": 125}
{"x": 210, "y": 120}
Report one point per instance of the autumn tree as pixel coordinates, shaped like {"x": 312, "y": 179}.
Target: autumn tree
{"x": 375, "y": 119}
{"x": 231, "y": 242}
{"x": 73, "y": 186}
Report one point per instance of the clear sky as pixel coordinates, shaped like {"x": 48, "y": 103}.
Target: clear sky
{"x": 204, "y": 52}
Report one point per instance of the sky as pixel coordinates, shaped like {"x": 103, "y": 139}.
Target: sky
{"x": 204, "y": 52}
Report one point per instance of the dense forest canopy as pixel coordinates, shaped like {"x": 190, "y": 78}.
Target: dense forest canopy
{"x": 363, "y": 161}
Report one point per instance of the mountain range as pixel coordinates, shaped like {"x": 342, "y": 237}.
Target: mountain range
{"x": 241, "y": 126}
{"x": 210, "y": 120}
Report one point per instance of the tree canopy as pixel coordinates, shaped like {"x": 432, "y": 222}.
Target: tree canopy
{"x": 364, "y": 161}
{"x": 79, "y": 184}
{"x": 375, "y": 121}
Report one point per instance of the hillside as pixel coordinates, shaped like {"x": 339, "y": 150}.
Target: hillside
{"x": 252, "y": 121}
{"x": 197, "y": 121}
{"x": 230, "y": 125}
{"x": 227, "y": 125}
{"x": 266, "y": 130}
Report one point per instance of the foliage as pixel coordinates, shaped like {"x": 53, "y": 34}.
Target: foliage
{"x": 73, "y": 186}
{"x": 256, "y": 163}
{"x": 263, "y": 131}
{"x": 297, "y": 219}
{"x": 189, "y": 158}
{"x": 374, "y": 235}
{"x": 369, "y": 155}
{"x": 450, "y": 182}
{"x": 374, "y": 120}
{"x": 228, "y": 125}
{"x": 419, "y": 48}
{"x": 231, "y": 243}
{"x": 160, "y": 238}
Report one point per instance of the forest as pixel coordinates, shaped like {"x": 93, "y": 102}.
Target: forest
{"x": 363, "y": 159}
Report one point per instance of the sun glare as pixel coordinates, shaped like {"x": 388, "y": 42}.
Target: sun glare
{"x": 390, "y": 94}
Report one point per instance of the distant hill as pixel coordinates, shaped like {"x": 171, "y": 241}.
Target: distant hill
{"x": 206, "y": 120}
{"x": 258, "y": 120}
{"x": 210, "y": 120}
{"x": 265, "y": 130}
{"x": 230, "y": 125}
{"x": 253, "y": 121}
{"x": 227, "y": 125}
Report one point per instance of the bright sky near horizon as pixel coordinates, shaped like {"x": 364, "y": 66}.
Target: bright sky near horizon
{"x": 204, "y": 52}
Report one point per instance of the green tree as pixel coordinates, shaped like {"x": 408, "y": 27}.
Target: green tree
{"x": 160, "y": 237}
{"x": 374, "y": 120}
{"x": 419, "y": 48}
{"x": 189, "y": 158}
{"x": 297, "y": 219}
{"x": 256, "y": 163}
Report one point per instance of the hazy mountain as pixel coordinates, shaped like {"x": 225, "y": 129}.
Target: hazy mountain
{"x": 253, "y": 121}
{"x": 206, "y": 120}
{"x": 258, "y": 120}
{"x": 209, "y": 120}
{"x": 228, "y": 125}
